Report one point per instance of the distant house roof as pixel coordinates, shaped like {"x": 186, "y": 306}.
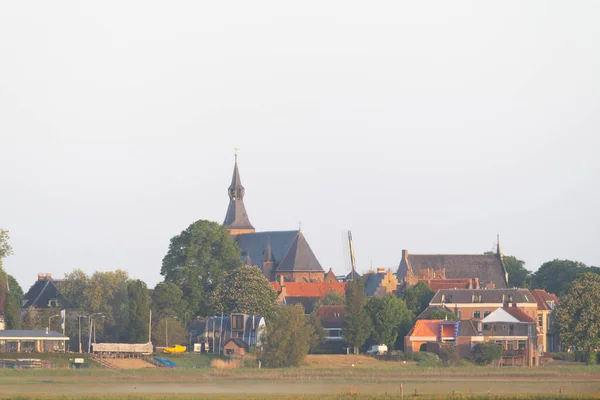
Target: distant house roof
{"x": 487, "y": 267}
{"x": 299, "y": 257}
{"x": 238, "y": 342}
{"x": 494, "y": 296}
{"x": 426, "y": 328}
{"x": 31, "y": 334}
{"x": 40, "y": 293}
{"x": 545, "y": 300}
{"x": 309, "y": 289}
{"x": 258, "y": 245}
{"x": 431, "y": 309}
{"x": 352, "y": 276}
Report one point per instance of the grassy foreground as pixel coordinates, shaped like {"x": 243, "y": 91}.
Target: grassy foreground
{"x": 311, "y": 397}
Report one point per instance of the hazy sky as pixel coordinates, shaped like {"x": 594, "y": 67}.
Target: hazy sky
{"x": 423, "y": 125}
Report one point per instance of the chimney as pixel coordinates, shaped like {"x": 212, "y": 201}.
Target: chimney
{"x": 381, "y": 270}
{"x": 280, "y": 280}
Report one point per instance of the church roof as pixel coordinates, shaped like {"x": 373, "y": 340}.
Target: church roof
{"x": 299, "y": 257}
{"x": 487, "y": 267}
{"x": 236, "y": 216}
{"x": 254, "y": 245}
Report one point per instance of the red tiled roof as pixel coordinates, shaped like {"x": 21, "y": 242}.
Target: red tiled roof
{"x": 309, "y": 289}
{"x": 426, "y": 327}
{"x": 519, "y": 314}
{"x": 542, "y": 298}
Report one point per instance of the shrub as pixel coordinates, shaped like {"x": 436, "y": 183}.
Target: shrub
{"x": 485, "y": 353}
{"x": 423, "y": 358}
{"x": 449, "y": 356}
{"x": 591, "y": 357}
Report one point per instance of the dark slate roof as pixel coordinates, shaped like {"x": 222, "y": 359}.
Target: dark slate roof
{"x": 268, "y": 253}
{"x": 372, "y": 282}
{"x": 40, "y": 293}
{"x": 255, "y": 244}
{"x": 352, "y": 276}
{"x": 299, "y": 257}
{"x": 430, "y": 309}
{"x": 307, "y": 302}
{"x": 487, "y": 267}
{"x": 17, "y": 333}
{"x": 462, "y": 296}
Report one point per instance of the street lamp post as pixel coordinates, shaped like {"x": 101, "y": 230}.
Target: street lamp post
{"x": 91, "y": 322}
{"x": 50, "y": 319}
{"x": 79, "y": 320}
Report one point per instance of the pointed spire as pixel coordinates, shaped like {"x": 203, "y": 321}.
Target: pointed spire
{"x": 236, "y": 218}
{"x": 498, "y": 252}
{"x": 268, "y": 253}
{"x": 248, "y": 261}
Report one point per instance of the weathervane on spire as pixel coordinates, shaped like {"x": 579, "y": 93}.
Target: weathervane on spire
{"x": 235, "y": 150}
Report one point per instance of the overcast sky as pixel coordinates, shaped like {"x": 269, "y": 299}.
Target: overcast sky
{"x": 427, "y": 126}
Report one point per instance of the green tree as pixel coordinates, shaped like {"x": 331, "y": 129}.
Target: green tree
{"x": 12, "y": 310}
{"x": 518, "y": 275}
{"x": 169, "y": 331}
{"x": 443, "y": 315}
{"x": 555, "y": 276}
{"x": 417, "y": 298}
{"x": 485, "y": 353}
{"x": 72, "y": 289}
{"x": 139, "y": 312}
{"x": 5, "y": 247}
{"x": 167, "y": 299}
{"x": 320, "y": 333}
{"x": 578, "y": 314}
{"x": 331, "y": 298}
{"x": 246, "y": 290}
{"x": 357, "y": 323}
{"x": 287, "y": 338}
{"x": 32, "y": 319}
{"x": 198, "y": 260}
{"x": 387, "y": 313}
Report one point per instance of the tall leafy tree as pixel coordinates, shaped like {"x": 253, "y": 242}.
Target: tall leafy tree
{"x": 12, "y": 309}
{"x": 72, "y": 289}
{"x": 139, "y": 312}
{"x": 198, "y": 259}
{"x": 169, "y": 331}
{"x": 555, "y": 276}
{"x": 167, "y": 300}
{"x": 518, "y": 275}
{"x": 287, "y": 338}
{"x": 417, "y": 298}
{"x": 387, "y": 313}
{"x": 5, "y": 247}
{"x": 444, "y": 315}
{"x": 32, "y": 319}
{"x": 578, "y": 314}
{"x": 357, "y": 323}
{"x": 245, "y": 289}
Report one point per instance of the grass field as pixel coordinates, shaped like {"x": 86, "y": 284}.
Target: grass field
{"x": 327, "y": 377}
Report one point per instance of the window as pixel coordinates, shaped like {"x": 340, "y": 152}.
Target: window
{"x": 541, "y": 320}
{"x": 476, "y": 298}
{"x": 458, "y": 314}
{"x": 486, "y": 327}
{"x": 335, "y": 333}
{"x": 511, "y": 329}
{"x": 503, "y": 327}
{"x": 486, "y": 313}
{"x": 446, "y": 298}
{"x": 237, "y": 322}
{"x": 477, "y": 314}
{"x": 522, "y": 344}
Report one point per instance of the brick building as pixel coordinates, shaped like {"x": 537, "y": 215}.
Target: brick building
{"x": 284, "y": 254}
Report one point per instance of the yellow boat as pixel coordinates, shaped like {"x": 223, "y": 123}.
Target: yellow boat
{"x": 177, "y": 349}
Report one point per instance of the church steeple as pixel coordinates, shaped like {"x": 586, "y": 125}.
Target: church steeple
{"x": 236, "y": 219}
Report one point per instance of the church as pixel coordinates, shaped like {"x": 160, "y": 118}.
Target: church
{"x": 280, "y": 255}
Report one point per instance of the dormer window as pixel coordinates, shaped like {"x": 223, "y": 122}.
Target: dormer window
{"x": 476, "y": 298}
{"x": 52, "y": 303}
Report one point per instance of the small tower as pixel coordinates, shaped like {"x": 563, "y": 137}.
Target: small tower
{"x": 236, "y": 219}
{"x": 268, "y": 263}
